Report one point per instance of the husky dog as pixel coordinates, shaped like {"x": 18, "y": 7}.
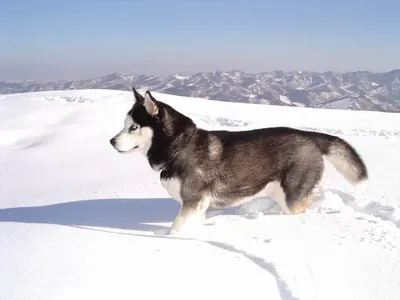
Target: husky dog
{"x": 204, "y": 169}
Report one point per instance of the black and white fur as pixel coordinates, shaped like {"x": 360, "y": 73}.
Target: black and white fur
{"x": 219, "y": 169}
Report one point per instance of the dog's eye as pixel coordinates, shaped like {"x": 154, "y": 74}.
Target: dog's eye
{"x": 133, "y": 127}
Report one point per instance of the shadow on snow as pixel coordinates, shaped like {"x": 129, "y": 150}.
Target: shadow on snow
{"x": 133, "y": 214}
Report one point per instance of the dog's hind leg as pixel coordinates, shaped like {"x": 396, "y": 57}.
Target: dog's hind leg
{"x": 301, "y": 205}
{"x": 301, "y": 187}
{"x": 190, "y": 212}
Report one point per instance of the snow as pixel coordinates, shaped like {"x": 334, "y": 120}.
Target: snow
{"x": 180, "y": 77}
{"x": 285, "y": 99}
{"x": 340, "y": 104}
{"x": 80, "y": 221}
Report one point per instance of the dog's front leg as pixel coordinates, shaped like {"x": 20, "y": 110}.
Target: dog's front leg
{"x": 192, "y": 212}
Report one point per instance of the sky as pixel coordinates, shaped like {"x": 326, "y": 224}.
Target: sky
{"x": 57, "y": 39}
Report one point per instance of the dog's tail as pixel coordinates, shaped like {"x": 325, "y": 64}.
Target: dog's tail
{"x": 343, "y": 157}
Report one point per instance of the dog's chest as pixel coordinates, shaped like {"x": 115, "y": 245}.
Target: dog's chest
{"x": 173, "y": 187}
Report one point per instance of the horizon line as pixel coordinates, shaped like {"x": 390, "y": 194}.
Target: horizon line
{"x": 159, "y": 74}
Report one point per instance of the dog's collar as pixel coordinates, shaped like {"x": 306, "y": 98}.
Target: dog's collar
{"x": 169, "y": 162}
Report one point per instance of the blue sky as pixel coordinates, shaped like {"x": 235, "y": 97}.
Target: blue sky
{"x": 76, "y": 38}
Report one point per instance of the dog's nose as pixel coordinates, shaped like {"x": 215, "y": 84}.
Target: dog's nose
{"x": 112, "y": 141}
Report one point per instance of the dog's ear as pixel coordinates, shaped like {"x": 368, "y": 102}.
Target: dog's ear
{"x": 150, "y": 104}
{"x": 138, "y": 98}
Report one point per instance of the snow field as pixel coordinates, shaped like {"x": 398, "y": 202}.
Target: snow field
{"x": 80, "y": 221}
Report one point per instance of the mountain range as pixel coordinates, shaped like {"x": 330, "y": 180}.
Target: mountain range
{"x": 360, "y": 90}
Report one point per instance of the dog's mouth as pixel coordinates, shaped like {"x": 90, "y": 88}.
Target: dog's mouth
{"x": 124, "y": 152}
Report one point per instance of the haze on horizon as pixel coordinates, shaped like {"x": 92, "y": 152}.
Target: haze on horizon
{"x": 45, "y": 40}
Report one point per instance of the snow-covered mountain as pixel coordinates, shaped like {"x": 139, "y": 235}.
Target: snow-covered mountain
{"x": 360, "y": 90}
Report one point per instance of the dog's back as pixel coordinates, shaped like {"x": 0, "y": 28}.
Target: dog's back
{"x": 233, "y": 166}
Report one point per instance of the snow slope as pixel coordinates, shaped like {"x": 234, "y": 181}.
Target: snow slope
{"x": 79, "y": 221}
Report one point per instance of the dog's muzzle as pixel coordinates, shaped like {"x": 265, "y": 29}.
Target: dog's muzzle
{"x": 113, "y": 142}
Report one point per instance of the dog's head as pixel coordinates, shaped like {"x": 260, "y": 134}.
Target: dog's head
{"x": 139, "y": 123}
{"x": 150, "y": 123}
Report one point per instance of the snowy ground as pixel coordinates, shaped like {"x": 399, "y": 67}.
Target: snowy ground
{"x": 77, "y": 219}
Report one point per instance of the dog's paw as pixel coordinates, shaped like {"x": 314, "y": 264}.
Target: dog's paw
{"x": 166, "y": 231}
